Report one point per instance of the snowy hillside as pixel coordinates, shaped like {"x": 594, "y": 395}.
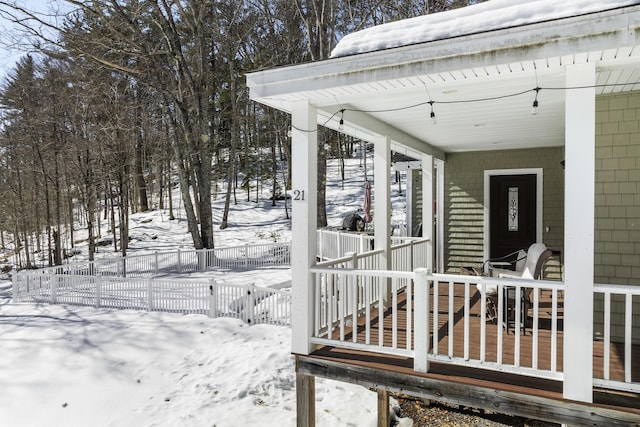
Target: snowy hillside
{"x": 80, "y": 366}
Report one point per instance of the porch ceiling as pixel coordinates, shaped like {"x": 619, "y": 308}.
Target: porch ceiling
{"x": 487, "y": 108}
{"x": 482, "y": 86}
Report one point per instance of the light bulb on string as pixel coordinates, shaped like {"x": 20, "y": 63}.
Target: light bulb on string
{"x": 432, "y": 114}
{"x": 534, "y": 108}
{"x": 341, "y": 125}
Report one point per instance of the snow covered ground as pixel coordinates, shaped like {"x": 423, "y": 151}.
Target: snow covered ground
{"x": 80, "y": 366}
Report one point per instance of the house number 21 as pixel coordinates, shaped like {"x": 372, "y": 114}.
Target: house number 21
{"x": 298, "y": 194}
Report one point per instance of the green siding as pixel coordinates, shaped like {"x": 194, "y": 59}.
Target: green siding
{"x": 464, "y": 201}
{"x": 617, "y": 234}
{"x": 617, "y": 185}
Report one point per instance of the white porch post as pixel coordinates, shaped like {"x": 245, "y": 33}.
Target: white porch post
{"x": 382, "y": 208}
{"x": 579, "y": 232}
{"x": 427, "y": 206}
{"x": 440, "y": 216}
{"x": 304, "y": 166}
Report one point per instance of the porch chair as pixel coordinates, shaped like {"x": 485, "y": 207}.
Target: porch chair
{"x": 516, "y": 259}
{"x": 529, "y": 268}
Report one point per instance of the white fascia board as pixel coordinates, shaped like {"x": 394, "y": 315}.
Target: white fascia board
{"x": 564, "y": 37}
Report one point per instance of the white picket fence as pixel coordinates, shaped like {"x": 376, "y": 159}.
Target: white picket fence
{"x": 246, "y": 257}
{"x": 250, "y": 303}
{"x": 132, "y": 282}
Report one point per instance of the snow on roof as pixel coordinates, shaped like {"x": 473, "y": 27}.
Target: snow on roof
{"x": 487, "y": 16}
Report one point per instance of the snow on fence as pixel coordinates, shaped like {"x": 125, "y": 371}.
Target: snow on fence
{"x": 249, "y": 303}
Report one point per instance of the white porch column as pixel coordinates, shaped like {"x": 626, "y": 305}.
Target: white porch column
{"x": 382, "y": 207}
{"x": 440, "y": 216}
{"x": 427, "y": 206}
{"x": 304, "y": 176}
{"x": 579, "y": 232}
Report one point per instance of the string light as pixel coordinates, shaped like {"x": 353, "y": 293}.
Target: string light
{"x": 534, "y": 108}
{"x": 431, "y": 102}
{"x": 432, "y": 115}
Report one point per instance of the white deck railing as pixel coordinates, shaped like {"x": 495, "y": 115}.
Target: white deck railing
{"x": 343, "y": 295}
{"x": 618, "y": 332}
{"x": 349, "y": 304}
{"x": 489, "y": 337}
{"x": 333, "y": 244}
{"x": 348, "y": 301}
{"x": 409, "y": 254}
{"x": 250, "y": 303}
{"x": 346, "y": 298}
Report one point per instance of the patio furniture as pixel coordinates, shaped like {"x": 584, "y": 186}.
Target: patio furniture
{"x": 529, "y": 268}
{"x": 516, "y": 259}
{"x": 537, "y": 254}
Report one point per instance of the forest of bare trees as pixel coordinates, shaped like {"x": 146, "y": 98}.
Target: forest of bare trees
{"x": 123, "y": 99}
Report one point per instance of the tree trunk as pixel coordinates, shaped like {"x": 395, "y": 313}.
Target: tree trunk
{"x": 169, "y": 182}
{"x": 123, "y": 211}
{"x": 192, "y": 222}
{"x": 57, "y": 255}
{"x": 141, "y": 186}
{"x": 322, "y": 185}
{"x": 227, "y": 200}
{"x": 91, "y": 212}
{"x": 113, "y": 220}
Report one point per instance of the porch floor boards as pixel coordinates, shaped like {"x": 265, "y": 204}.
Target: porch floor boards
{"x": 491, "y": 379}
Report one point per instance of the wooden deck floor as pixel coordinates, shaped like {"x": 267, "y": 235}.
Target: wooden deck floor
{"x": 482, "y": 378}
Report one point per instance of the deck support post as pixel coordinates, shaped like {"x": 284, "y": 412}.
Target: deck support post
{"x": 579, "y": 211}
{"x": 305, "y": 400}
{"x": 382, "y": 205}
{"x": 304, "y": 167}
{"x": 383, "y": 408}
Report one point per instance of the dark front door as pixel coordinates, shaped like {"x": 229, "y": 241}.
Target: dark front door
{"x": 512, "y": 222}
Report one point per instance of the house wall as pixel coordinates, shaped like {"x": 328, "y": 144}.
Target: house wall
{"x": 464, "y": 201}
{"x": 617, "y": 198}
{"x": 617, "y": 234}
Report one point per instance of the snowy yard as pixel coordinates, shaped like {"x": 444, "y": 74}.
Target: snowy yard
{"x": 80, "y": 366}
